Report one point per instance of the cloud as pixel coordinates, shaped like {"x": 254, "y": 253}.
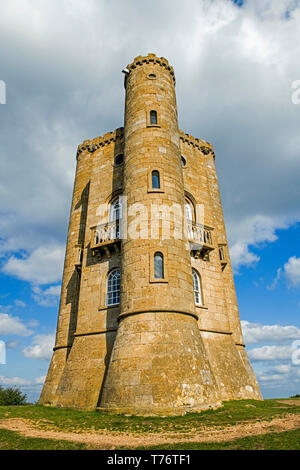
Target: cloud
{"x": 41, "y": 348}
{"x": 12, "y": 344}
{"x": 252, "y": 231}
{"x": 292, "y": 271}
{"x": 256, "y": 332}
{"x": 270, "y": 353}
{"x": 14, "y": 381}
{"x": 282, "y": 368}
{"x": 276, "y": 279}
{"x": 20, "y": 382}
{"x": 10, "y": 325}
{"x": 48, "y": 297}
{"x": 43, "y": 266}
{"x": 20, "y": 303}
{"x": 234, "y": 80}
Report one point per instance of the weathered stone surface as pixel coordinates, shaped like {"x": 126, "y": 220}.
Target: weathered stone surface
{"x": 157, "y": 352}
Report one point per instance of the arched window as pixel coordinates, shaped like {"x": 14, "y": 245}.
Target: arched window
{"x": 158, "y": 265}
{"x": 153, "y": 117}
{"x": 115, "y": 212}
{"x": 189, "y": 210}
{"x": 197, "y": 288}
{"x": 113, "y": 287}
{"x": 155, "y": 179}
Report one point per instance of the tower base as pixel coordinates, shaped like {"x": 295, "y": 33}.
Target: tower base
{"x": 159, "y": 366}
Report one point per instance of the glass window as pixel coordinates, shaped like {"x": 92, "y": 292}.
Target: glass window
{"x": 158, "y": 266}
{"x": 155, "y": 179}
{"x": 113, "y": 287}
{"x": 188, "y": 210}
{"x": 115, "y": 210}
{"x": 197, "y": 288}
{"x": 153, "y": 117}
{"x": 119, "y": 159}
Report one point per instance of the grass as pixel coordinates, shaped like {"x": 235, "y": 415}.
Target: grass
{"x": 10, "y": 440}
{"x": 58, "y": 419}
{"x": 289, "y": 440}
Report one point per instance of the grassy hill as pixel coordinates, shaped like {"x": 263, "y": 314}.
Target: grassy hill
{"x": 246, "y": 424}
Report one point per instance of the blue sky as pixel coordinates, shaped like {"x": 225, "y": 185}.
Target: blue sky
{"x": 235, "y": 66}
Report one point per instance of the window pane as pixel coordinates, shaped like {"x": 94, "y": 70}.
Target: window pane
{"x": 155, "y": 180}
{"x": 158, "y": 266}
{"x": 113, "y": 287}
{"x": 115, "y": 211}
{"x": 153, "y": 117}
{"x": 188, "y": 211}
{"x": 197, "y": 288}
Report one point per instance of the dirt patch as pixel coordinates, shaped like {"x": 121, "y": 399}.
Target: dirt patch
{"x": 289, "y": 402}
{"x": 113, "y": 440}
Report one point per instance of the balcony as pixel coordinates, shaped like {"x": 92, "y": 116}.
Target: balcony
{"x": 222, "y": 256}
{"x": 200, "y": 239}
{"x": 106, "y": 239}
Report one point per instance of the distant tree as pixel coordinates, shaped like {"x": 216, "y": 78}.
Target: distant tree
{"x": 12, "y": 396}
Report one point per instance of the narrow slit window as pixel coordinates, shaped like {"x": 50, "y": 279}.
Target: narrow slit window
{"x": 197, "y": 288}
{"x": 158, "y": 266}
{"x": 113, "y": 287}
{"x": 155, "y": 179}
{"x": 153, "y": 117}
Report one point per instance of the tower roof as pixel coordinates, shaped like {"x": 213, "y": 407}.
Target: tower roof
{"x": 152, "y": 59}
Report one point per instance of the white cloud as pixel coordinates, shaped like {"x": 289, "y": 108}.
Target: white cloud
{"x": 41, "y": 348}
{"x": 292, "y": 271}
{"x": 12, "y": 344}
{"x": 276, "y": 279}
{"x": 20, "y": 381}
{"x": 282, "y": 368}
{"x": 10, "y": 325}
{"x": 234, "y": 78}
{"x": 47, "y": 297}
{"x": 249, "y": 232}
{"x": 14, "y": 381}
{"x": 257, "y": 333}
{"x": 43, "y": 266}
{"x": 270, "y": 353}
{"x": 265, "y": 377}
{"x": 20, "y": 303}
{"x": 40, "y": 380}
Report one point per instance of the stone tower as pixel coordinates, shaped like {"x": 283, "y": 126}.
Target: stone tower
{"x": 148, "y": 321}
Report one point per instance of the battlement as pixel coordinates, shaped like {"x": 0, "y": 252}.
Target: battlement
{"x": 152, "y": 59}
{"x": 91, "y": 145}
{"x": 202, "y": 145}
{"x": 94, "y": 144}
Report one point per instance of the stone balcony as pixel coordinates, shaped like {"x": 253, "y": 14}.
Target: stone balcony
{"x": 200, "y": 239}
{"x": 106, "y": 239}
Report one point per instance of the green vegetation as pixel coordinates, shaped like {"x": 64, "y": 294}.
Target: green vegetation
{"x": 11, "y": 396}
{"x": 289, "y": 440}
{"x": 10, "y": 440}
{"x": 71, "y": 420}
{"x": 234, "y": 412}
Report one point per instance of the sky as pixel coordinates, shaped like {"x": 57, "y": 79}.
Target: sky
{"x": 236, "y": 65}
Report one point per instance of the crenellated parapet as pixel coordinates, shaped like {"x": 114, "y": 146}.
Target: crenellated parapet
{"x": 152, "y": 59}
{"x": 98, "y": 142}
{"x": 204, "y": 147}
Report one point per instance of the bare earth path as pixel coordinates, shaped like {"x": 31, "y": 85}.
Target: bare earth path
{"x": 111, "y": 440}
